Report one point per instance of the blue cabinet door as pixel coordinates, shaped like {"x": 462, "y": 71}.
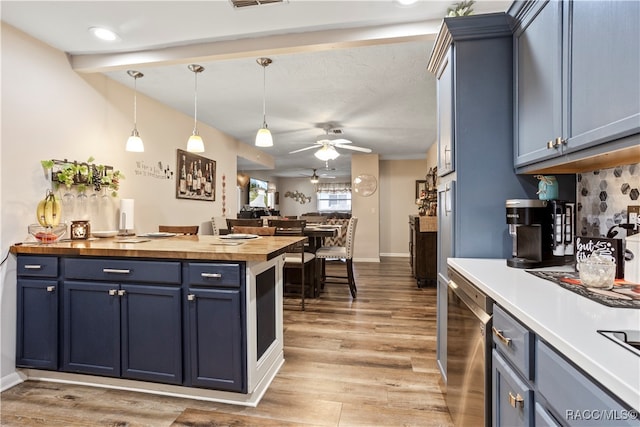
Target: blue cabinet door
{"x": 152, "y": 333}
{"x": 603, "y": 72}
{"x": 446, "y": 143}
{"x": 37, "y": 324}
{"x": 512, "y": 398}
{"x": 538, "y": 75}
{"x": 91, "y": 328}
{"x": 216, "y": 342}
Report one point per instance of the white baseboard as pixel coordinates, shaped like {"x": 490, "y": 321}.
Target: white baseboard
{"x": 396, "y": 254}
{"x": 366, "y": 259}
{"x": 10, "y": 380}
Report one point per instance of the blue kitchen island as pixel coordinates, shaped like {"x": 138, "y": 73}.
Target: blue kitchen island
{"x": 188, "y": 316}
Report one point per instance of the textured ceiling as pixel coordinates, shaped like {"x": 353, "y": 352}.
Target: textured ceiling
{"x": 357, "y": 65}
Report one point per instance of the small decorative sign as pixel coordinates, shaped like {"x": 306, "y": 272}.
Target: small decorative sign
{"x": 610, "y": 248}
{"x": 196, "y": 177}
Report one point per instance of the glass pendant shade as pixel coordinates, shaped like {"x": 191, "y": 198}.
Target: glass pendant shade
{"x": 264, "y": 138}
{"x": 134, "y": 143}
{"x": 327, "y": 152}
{"x": 195, "y": 143}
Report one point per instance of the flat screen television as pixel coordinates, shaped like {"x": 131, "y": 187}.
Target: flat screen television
{"x": 258, "y": 193}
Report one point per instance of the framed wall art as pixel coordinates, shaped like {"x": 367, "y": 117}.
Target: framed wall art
{"x": 196, "y": 177}
{"x": 421, "y": 186}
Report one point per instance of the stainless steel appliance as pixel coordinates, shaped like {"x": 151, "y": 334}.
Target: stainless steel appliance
{"x": 469, "y": 318}
{"x": 542, "y": 232}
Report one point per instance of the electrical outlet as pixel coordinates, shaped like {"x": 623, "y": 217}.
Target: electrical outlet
{"x": 633, "y": 217}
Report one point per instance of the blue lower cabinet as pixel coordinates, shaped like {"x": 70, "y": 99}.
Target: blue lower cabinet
{"x": 91, "y": 328}
{"x": 128, "y": 331}
{"x": 151, "y": 333}
{"x": 512, "y": 397}
{"x": 216, "y": 343}
{"x": 37, "y": 324}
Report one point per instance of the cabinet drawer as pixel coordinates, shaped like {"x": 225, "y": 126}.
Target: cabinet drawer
{"x": 573, "y": 396}
{"x": 120, "y": 270}
{"x": 214, "y": 274}
{"x": 514, "y": 341}
{"x": 37, "y": 266}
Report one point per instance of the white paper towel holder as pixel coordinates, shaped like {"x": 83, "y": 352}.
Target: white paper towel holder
{"x": 126, "y": 218}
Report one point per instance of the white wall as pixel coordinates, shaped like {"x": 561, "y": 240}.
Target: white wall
{"x": 51, "y": 112}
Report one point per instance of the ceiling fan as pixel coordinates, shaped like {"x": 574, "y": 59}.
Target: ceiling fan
{"x": 327, "y": 147}
{"x": 315, "y": 177}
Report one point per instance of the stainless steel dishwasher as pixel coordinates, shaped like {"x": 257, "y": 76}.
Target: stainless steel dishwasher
{"x": 468, "y": 353}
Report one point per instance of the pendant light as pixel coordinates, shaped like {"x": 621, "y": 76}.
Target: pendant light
{"x": 263, "y": 137}
{"x": 314, "y": 178}
{"x": 195, "y": 144}
{"x": 134, "y": 143}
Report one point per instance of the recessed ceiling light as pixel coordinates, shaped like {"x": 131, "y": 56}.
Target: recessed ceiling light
{"x": 406, "y": 2}
{"x": 104, "y": 34}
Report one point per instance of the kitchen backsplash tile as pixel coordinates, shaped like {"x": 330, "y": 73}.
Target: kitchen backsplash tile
{"x": 603, "y": 197}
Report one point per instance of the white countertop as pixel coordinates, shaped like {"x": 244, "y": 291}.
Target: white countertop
{"x": 565, "y": 320}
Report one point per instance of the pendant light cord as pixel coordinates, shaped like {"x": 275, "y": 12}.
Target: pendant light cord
{"x": 264, "y": 96}
{"x": 195, "y": 113}
{"x": 135, "y": 103}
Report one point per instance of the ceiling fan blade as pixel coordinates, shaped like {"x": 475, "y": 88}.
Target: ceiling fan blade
{"x": 354, "y": 148}
{"x": 304, "y": 149}
{"x": 333, "y": 141}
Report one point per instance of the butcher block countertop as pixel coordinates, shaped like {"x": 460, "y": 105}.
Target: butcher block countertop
{"x": 213, "y": 248}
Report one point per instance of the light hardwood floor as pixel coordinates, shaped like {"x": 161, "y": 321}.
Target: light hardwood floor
{"x": 368, "y": 362}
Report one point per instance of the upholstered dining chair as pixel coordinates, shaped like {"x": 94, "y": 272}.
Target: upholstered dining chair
{"x": 342, "y": 252}
{"x": 179, "y": 229}
{"x": 299, "y": 259}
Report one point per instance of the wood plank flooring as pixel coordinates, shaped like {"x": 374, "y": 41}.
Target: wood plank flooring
{"x": 368, "y": 362}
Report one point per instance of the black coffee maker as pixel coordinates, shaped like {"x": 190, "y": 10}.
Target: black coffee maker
{"x": 542, "y": 232}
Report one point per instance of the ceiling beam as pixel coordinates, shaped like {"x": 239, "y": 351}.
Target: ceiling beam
{"x": 253, "y": 47}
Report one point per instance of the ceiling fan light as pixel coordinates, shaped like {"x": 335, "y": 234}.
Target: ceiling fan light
{"x": 264, "y": 138}
{"x": 327, "y": 152}
{"x": 195, "y": 144}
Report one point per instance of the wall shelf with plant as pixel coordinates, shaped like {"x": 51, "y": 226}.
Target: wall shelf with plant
{"x": 83, "y": 175}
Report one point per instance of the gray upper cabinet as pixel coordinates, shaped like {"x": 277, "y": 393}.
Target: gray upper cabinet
{"x": 538, "y": 82}
{"x": 604, "y": 71}
{"x": 576, "y": 77}
{"x": 446, "y": 149}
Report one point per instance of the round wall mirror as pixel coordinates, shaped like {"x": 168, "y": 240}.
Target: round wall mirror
{"x": 365, "y": 185}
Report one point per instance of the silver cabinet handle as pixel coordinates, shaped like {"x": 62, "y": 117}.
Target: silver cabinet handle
{"x": 116, "y": 271}
{"x": 556, "y": 143}
{"x": 447, "y": 164}
{"x": 498, "y": 333}
{"x": 447, "y": 210}
{"x": 121, "y": 292}
{"x": 51, "y": 288}
{"x": 32, "y": 267}
{"x": 516, "y": 401}
{"x": 113, "y": 292}
{"x": 211, "y": 275}
{"x": 191, "y": 297}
